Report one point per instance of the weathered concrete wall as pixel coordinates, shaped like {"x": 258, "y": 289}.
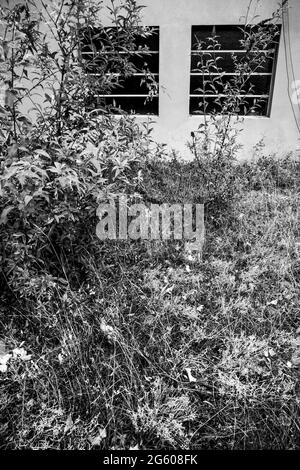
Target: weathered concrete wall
{"x": 175, "y": 18}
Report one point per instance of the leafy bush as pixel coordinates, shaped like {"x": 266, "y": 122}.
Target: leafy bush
{"x": 56, "y": 170}
{"x": 215, "y": 143}
{"x": 49, "y": 198}
{"x": 268, "y": 171}
{"x": 217, "y": 182}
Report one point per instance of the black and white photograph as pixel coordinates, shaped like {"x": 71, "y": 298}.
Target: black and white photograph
{"x": 149, "y": 229}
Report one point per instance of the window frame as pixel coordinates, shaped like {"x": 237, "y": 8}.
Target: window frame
{"x": 114, "y": 94}
{"x": 272, "y": 74}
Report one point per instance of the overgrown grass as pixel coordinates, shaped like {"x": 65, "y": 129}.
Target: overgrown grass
{"x": 149, "y": 350}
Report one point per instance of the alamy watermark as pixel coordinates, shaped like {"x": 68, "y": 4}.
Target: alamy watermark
{"x": 123, "y": 221}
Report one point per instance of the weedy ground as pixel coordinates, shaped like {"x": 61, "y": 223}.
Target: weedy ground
{"x": 153, "y": 350}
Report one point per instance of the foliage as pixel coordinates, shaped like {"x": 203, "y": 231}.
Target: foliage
{"x": 48, "y": 198}
{"x": 56, "y": 170}
{"x": 267, "y": 171}
{"x": 42, "y": 61}
{"x": 215, "y": 143}
{"x": 150, "y": 351}
{"x": 220, "y": 183}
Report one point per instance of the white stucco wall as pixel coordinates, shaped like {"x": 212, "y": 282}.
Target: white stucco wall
{"x": 175, "y": 18}
{"x": 173, "y": 126}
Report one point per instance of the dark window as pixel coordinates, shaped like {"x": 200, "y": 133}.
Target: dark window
{"x": 225, "y": 59}
{"x": 133, "y": 76}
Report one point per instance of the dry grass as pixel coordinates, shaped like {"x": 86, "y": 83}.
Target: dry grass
{"x": 151, "y": 353}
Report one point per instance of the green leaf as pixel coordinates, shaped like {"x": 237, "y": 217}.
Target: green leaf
{"x": 43, "y": 153}
{"x": 27, "y": 200}
{"x": 4, "y": 214}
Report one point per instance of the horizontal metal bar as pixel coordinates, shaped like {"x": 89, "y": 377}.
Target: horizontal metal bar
{"x": 121, "y": 52}
{"x": 124, "y": 96}
{"x": 138, "y": 115}
{"x": 222, "y": 95}
{"x": 226, "y": 51}
{"x": 119, "y": 74}
{"x": 228, "y": 73}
